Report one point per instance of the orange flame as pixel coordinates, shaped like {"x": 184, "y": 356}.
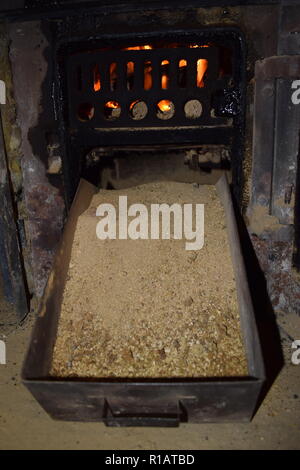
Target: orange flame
{"x": 97, "y": 82}
{"x": 165, "y": 75}
{"x": 195, "y": 46}
{"x": 130, "y": 68}
{"x": 164, "y": 82}
{"x": 133, "y": 104}
{"x": 97, "y": 85}
{"x": 147, "y": 66}
{"x": 138, "y": 48}
{"x": 164, "y": 106}
{"x": 202, "y": 65}
{"x": 112, "y": 104}
{"x": 147, "y": 75}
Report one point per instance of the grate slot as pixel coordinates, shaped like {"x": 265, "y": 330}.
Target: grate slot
{"x": 130, "y": 75}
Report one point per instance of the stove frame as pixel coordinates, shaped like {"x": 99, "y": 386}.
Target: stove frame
{"x": 46, "y": 158}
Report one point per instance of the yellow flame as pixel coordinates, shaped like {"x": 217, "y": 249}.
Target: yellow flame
{"x": 195, "y": 46}
{"x": 147, "y": 75}
{"x": 164, "y": 106}
{"x": 112, "y": 104}
{"x": 97, "y": 85}
{"x": 138, "y": 48}
{"x": 97, "y": 82}
{"x": 164, "y": 77}
{"x": 202, "y": 65}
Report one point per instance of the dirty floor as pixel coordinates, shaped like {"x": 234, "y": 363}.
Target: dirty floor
{"x": 24, "y": 424}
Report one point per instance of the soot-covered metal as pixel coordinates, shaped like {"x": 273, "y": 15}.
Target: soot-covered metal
{"x": 190, "y": 123}
{"x": 86, "y": 67}
{"x": 165, "y": 89}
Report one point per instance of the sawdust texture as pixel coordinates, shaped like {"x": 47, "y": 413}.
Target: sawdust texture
{"x": 150, "y": 308}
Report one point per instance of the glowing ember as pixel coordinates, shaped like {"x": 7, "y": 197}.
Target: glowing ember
{"x": 132, "y": 105}
{"x": 164, "y": 106}
{"x": 97, "y": 85}
{"x": 112, "y": 110}
{"x": 147, "y": 75}
{"x": 164, "y": 82}
{"x": 138, "y": 48}
{"x": 202, "y": 65}
{"x": 165, "y": 74}
{"x": 97, "y": 82}
{"x": 112, "y": 104}
{"x": 195, "y": 46}
{"x": 130, "y": 68}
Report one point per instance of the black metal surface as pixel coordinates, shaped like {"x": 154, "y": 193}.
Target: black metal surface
{"x": 286, "y": 145}
{"x": 138, "y": 401}
{"x": 11, "y": 268}
{"x": 289, "y": 33}
{"x": 276, "y": 134}
{"x": 227, "y": 128}
{"x": 296, "y": 251}
{"x": 33, "y": 9}
{"x": 171, "y": 417}
{"x": 215, "y": 401}
{"x": 124, "y": 168}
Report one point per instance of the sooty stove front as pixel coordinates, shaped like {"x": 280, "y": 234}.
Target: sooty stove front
{"x": 124, "y": 93}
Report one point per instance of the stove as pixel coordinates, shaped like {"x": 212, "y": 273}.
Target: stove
{"x": 121, "y": 93}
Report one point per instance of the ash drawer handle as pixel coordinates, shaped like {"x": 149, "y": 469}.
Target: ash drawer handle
{"x": 143, "y": 419}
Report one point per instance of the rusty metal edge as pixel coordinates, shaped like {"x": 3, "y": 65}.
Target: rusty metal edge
{"x": 248, "y": 324}
{"x": 37, "y": 363}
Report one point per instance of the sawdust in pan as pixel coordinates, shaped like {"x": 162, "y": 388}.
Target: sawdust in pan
{"x": 150, "y": 308}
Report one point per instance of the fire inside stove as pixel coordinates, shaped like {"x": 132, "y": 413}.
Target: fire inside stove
{"x": 163, "y": 105}
{"x": 147, "y": 85}
{"x": 179, "y": 101}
